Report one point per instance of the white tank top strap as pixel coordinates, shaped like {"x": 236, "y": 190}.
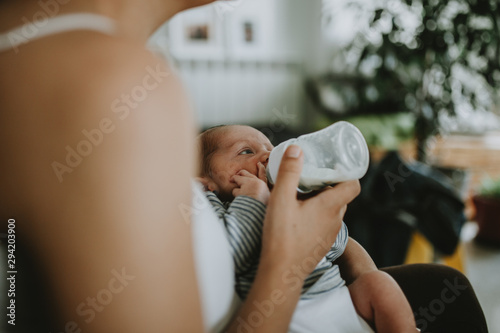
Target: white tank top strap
{"x": 30, "y": 31}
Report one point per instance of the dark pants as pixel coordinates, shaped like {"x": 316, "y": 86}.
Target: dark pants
{"x": 441, "y": 297}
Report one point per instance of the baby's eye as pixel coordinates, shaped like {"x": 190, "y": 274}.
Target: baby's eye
{"x": 246, "y": 152}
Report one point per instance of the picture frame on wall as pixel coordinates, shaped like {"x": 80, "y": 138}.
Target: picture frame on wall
{"x": 246, "y": 40}
{"x": 197, "y": 34}
{"x": 245, "y": 33}
{"x": 249, "y": 32}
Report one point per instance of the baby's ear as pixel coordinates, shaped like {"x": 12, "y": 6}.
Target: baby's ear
{"x": 208, "y": 183}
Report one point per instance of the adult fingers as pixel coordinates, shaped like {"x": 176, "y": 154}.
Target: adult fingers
{"x": 348, "y": 190}
{"x": 289, "y": 174}
{"x": 338, "y": 196}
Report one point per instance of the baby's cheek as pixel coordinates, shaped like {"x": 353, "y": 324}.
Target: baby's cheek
{"x": 221, "y": 176}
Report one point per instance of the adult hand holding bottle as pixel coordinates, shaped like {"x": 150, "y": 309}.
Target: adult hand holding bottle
{"x": 295, "y": 237}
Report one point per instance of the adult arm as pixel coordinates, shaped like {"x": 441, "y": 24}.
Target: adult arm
{"x": 110, "y": 233}
{"x": 295, "y": 233}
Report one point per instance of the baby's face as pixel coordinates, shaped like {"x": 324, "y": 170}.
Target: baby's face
{"x": 240, "y": 148}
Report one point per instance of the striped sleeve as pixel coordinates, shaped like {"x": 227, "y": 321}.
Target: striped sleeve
{"x": 216, "y": 203}
{"x": 326, "y": 276}
{"x": 243, "y": 220}
{"x": 340, "y": 244}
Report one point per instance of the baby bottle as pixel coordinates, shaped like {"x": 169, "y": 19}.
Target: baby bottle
{"x": 332, "y": 155}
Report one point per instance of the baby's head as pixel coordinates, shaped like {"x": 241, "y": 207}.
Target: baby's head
{"x": 226, "y": 150}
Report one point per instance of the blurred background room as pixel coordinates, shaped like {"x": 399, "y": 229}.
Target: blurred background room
{"x": 419, "y": 78}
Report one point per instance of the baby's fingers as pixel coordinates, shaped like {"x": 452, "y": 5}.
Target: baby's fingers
{"x": 244, "y": 173}
{"x": 236, "y": 192}
{"x": 241, "y": 177}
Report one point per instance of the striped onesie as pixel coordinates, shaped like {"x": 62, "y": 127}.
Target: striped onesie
{"x": 243, "y": 219}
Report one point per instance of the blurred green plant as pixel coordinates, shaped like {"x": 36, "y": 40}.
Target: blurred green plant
{"x": 426, "y": 56}
{"x": 386, "y": 131}
{"x": 490, "y": 188}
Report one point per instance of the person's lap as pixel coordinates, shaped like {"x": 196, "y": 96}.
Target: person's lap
{"x": 442, "y": 298}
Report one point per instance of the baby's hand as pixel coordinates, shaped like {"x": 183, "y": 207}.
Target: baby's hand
{"x": 251, "y": 185}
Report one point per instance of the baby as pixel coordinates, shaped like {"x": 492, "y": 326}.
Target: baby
{"x": 233, "y": 162}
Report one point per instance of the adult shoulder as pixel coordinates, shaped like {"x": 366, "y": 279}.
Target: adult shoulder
{"x": 112, "y": 69}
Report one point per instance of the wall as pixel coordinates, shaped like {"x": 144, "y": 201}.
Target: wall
{"x": 257, "y": 83}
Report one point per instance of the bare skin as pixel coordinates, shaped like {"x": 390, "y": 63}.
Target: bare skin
{"x": 94, "y": 203}
{"x": 110, "y": 211}
{"x": 237, "y": 168}
{"x": 242, "y": 152}
{"x": 376, "y": 296}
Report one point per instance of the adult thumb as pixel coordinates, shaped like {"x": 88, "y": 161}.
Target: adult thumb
{"x": 288, "y": 176}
